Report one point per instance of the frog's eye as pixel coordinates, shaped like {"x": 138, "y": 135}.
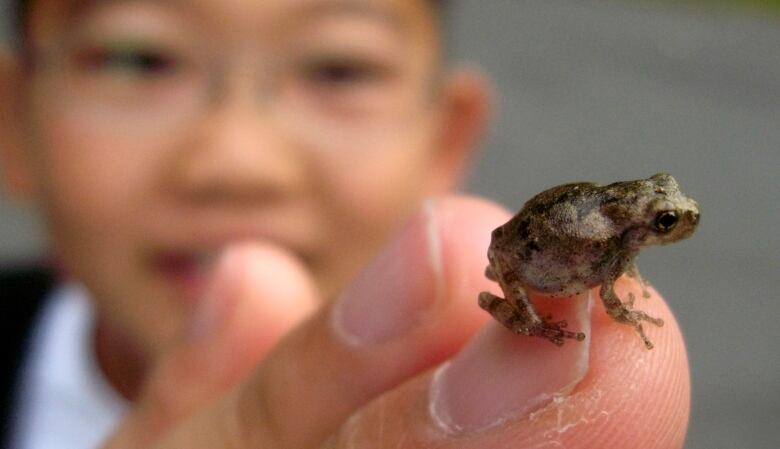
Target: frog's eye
{"x": 665, "y": 221}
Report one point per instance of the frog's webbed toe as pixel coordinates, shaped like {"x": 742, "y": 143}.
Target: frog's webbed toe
{"x": 554, "y": 331}
{"x": 635, "y": 318}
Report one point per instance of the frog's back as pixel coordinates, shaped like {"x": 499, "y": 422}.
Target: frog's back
{"x": 569, "y": 211}
{"x": 558, "y": 241}
{"x": 574, "y": 191}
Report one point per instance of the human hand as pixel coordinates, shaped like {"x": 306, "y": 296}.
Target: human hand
{"x": 368, "y": 370}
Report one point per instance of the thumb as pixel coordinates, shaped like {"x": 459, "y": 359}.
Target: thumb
{"x": 258, "y": 294}
{"x": 506, "y": 391}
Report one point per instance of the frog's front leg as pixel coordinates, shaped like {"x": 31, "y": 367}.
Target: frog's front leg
{"x": 623, "y": 314}
{"x": 521, "y": 317}
{"x": 633, "y": 272}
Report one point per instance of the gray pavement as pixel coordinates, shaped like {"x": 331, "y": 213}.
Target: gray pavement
{"x": 597, "y": 90}
{"x": 607, "y": 90}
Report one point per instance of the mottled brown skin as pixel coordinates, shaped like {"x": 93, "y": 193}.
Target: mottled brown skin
{"x": 573, "y": 237}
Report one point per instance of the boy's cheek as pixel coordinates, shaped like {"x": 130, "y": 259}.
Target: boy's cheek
{"x": 381, "y": 184}
{"x": 96, "y": 195}
{"x": 367, "y": 198}
{"x": 98, "y": 176}
{"x": 121, "y": 288}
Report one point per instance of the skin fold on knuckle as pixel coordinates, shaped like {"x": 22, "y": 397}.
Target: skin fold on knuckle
{"x": 282, "y": 404}
{"x": 222, "y": 425}
{"x": 380, "y": 424}
{"x": 161, "y": 406}
{"x": 251, "y": 421}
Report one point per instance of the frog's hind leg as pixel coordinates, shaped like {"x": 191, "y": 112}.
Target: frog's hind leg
{"x": 523, "y": 319}
{"x": 499, "y": 308}
{"x": 623, "y": 313}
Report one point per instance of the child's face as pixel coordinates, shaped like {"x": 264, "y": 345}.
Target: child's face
{"x": 154, "y": 133}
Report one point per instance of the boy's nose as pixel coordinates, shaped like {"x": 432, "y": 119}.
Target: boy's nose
{"x": 236, "y": 155}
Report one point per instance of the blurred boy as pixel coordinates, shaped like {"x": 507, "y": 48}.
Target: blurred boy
{"x": 154, "y": 135}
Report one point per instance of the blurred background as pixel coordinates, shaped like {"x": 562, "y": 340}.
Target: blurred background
{"x": 609, "y": 90}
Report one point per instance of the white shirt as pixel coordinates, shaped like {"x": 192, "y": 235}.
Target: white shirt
{"x": 65, "y": 402}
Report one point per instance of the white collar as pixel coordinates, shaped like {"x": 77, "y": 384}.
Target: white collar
{"x": 64, "y": 402}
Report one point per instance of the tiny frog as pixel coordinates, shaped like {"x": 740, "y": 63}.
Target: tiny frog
{"x": 573, "y": 237}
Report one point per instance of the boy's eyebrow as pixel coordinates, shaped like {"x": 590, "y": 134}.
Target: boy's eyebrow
{"x": 77, "y": 7}
{"x": 353, "y": 7}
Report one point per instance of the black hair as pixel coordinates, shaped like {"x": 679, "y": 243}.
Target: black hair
{"x": 20, "y": 11}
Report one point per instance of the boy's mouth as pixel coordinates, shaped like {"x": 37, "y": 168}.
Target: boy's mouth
{"x": 188, "y": 273}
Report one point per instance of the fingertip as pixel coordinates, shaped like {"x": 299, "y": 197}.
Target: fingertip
{"x": 632, "y": 396}
{"x": 470, "y": 213}
{"x": 253, "y": 281}
{"x": 280, "y": 277}
{"x": 465, "y": 225}
{"x": 429, "y": 274}
{"x": 274, "y": 292}
{"x": 621, "y": 344}
{"x": 629, "y": 397}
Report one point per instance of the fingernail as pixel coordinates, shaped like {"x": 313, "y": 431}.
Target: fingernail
{"x": 389, "y": 297}
{"x": 212, "y": 310}
{"x": 502, "y": 376}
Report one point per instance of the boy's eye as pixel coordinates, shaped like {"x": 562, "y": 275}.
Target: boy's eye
{"x": 343, "y": 72}
{"x": 127, "y": 60}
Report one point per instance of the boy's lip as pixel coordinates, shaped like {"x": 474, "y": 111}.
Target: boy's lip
{"x": 187, "y": 272}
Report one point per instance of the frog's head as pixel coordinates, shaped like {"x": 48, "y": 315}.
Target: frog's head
{"x": 669, "y": 214}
